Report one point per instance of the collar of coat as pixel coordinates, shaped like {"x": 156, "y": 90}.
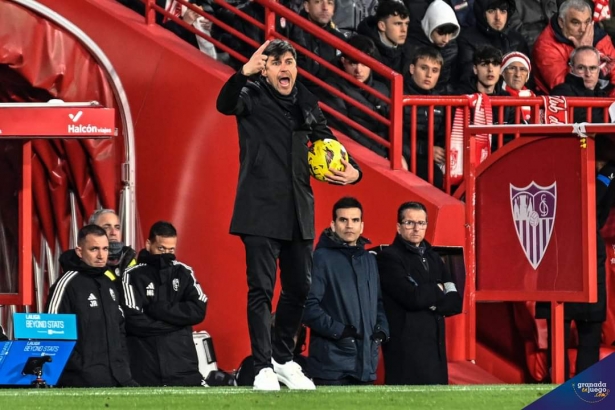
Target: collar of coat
{"x": 599, "y": 34}
{"x": 418, "y": 250}
{"x": 602, "y": 87}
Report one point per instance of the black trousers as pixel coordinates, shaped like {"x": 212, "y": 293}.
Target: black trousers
{"x": 344, "y": 381}
{"x": 588, "y": 349}
{"x": 295, "y": 261}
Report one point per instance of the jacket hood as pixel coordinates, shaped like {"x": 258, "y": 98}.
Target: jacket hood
{"x": 439, "y": 13}
{"x": 70, "y": 261}
{"x": 481, "y": 6}
{"x": 328, "y": 239}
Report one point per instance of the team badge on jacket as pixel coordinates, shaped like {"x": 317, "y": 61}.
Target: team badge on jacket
{"x": 93, "y": 300}
{"x": 175, "y": 284}
{"x": 149, "y": 289}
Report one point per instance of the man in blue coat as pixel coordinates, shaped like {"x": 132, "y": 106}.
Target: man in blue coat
{"x": 344, "y": 309}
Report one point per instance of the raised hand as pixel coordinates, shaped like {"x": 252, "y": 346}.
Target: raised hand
{"x": 587, "y": 39}
{"x": 257, "y": 62}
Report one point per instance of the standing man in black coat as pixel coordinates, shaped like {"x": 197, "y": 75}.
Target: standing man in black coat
{"x": 100, "y": 357}
{"x": 418, "y": 293}
{"x": 162, "y": 301}
{"x": 274, "y": 206}
{"x": 492, "y": 29}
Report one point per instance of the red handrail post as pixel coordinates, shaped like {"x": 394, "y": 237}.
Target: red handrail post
{"x": 269, "y": 22}
{"x": 470, "y": 245}
{"x": 396, "y": 113}
{"x": 557, "y": 344}
{"x": 25, "y": 227}
{"x": 150, "y": 13}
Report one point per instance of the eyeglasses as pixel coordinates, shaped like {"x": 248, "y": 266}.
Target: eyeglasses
{"x": 586, "y": 69}
{"x": 412, "y": 224}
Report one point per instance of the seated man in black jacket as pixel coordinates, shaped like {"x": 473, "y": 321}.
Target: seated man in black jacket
{"x": 389, "y": 29}
{"x": 162, "y": 301}
{"x": 363, "y": 74}
{"x": 319, "y": 12}
{"x": 421, "y": 79}
{"x": 100, "y": 357}
{"x": 584, "y": 81}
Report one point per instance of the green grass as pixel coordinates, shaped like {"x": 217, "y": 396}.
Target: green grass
{"x": 498, "y": 397}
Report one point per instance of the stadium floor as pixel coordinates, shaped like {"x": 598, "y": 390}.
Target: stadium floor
{"x": 476, "y": 397}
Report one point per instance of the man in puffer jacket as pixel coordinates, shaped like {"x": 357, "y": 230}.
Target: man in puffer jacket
{"x": 344, "y": 308}
{"x": 439, "y": 30}
{"x": 162, "y": 301}
{"x": 492, "y": 29}
{"x": 571, "y": 28}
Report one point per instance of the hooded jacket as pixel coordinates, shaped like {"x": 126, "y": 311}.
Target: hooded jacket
{"x": 552, "y": 52}
{"x": 395, "y": 58}
{"x": 438, "y": 13}
{"x": 482, "y": 35}
{"x": 345, "y": 291}
{"x": 368, "y": 100}
{"x": 273, "y": 192}
{"x": 100, "y": 357}
{"x": 163, "y": 300}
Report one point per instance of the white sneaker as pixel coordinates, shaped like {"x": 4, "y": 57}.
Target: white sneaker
{"x": 292, "y": 376}
{"x": 266, "y": 380}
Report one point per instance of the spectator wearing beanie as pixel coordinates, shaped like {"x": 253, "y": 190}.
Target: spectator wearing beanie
{"x": 516, "y": 69}
{"x": 492, "y": 29}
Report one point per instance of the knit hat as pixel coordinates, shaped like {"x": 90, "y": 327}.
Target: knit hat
{"x": 516, "y": 57}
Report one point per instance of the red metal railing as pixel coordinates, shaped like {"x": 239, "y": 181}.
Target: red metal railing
{"x": 397, "y": 101}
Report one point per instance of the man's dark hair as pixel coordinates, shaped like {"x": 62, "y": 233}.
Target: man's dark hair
{"x": 447, "y": 28}
{"x": 417, "y": 206}
{"x": 89, "y": 230}
{"x": 345, "y": 203}
{"x": 388, "y": 8}
{"x": 277, "y": 48}
{"x": 487, "y": 54}
{"x": 163, "y": 229}
{"x": 429, "y": 53}
{"x": 364, "y": 44}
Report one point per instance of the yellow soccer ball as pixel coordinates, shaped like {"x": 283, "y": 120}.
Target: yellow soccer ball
{"x": 325, "y": 154}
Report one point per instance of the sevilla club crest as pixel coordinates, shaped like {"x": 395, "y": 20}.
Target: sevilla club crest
{"x": 533, "y": 211}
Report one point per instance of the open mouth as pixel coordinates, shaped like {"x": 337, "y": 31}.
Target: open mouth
{"x": 284, "y": 82}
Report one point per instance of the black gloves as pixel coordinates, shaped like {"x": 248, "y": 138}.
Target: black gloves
{"x": 350, "y": 331}
{"x": 379, "y": 337}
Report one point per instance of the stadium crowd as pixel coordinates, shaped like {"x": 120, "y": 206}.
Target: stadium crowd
{"x": 516, "y": 48}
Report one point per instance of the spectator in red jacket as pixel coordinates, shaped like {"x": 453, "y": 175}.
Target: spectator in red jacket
{"x": 570, "y": 29}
